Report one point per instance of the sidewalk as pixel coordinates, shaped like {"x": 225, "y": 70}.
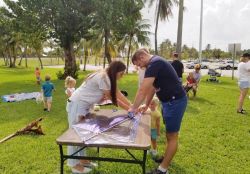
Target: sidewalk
{"x": 226, "y": 73}
{"x": 91, "y": 67}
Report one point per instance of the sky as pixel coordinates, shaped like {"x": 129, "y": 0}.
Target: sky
{"x": 224, "y": 22}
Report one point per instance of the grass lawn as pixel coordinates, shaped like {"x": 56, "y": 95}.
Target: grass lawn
{"x": 213, "y": 137}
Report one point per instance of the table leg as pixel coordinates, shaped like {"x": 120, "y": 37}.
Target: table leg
{"x": 61, "y": 157}
{"x": 144, "y": 162}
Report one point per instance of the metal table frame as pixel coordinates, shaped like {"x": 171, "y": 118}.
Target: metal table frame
{"x": 142, "y": 143}
{"x": 134, "y": 160}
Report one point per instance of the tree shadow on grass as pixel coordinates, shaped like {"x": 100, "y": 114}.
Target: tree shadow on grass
{"x": 191, "y": 109}
{"x": 198, "y": 100}
{"x": 201, "y": 100}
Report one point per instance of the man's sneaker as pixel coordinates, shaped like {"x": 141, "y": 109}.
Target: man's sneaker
{"x": 159, "y": 159}
{"x": 156, "y": 171}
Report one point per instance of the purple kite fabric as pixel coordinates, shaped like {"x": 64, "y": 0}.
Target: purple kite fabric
{"x": 125, "y": 131}
{"x": 100, "y": 123}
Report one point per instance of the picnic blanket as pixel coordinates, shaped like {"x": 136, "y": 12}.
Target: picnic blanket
{"x": 20, "y": 96}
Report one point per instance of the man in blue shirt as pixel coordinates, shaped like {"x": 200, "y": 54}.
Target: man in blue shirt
{"x": 161, "y": 79}
{"x": 47, "y": 88}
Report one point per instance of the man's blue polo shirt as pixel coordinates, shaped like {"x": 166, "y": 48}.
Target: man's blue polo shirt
{"x": 166, "y": 82}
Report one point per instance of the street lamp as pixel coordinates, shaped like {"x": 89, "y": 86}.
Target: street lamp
{"x": 200, "y": 42}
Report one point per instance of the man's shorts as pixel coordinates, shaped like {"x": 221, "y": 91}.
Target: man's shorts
{"x": 47, "y": 99}
{"x": 173, "y": 112}
{"x": 153, "y": 134}
{"x": 243, "y": 84}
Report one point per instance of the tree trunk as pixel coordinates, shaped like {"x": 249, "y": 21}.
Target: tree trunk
{"x": 70, "y": 61}
{"x": 22, "y": 55}
{"x": 85, "y": 58}
{"x": 106, "y": 40}
{"x": 95, "y": 60}
{"x": 25, "y": 56}
{"x": 14, "y": 55}
{"x": 4, "y": 58}
{"x": 40, "y": 60}
{"x": 156, "y": 27}
{"x": 129, "y": 48}
{"x": 20, "y": 62}
{"x": 26, "y": 61}
{"x": 10, "y": 59}
{"x": 179, "y": 32}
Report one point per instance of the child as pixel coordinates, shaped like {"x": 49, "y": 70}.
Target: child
{"x": 38, "y": 73}
{"x": 155, "y": 124}
{"x": 190, "y": 82}
{"x": 70, "y": 84}
{"x": 47, "y": 88}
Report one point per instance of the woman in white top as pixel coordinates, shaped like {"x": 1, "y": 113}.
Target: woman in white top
{"x": 243, "y": 81}
{"x": 99, "y": 85}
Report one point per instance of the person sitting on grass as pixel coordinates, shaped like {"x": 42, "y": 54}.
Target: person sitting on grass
{"x": 47, "y": 88}
{"x": 190, "y": 82}
{"x": 197, "y": 78}
{"x": 155, "y": 125}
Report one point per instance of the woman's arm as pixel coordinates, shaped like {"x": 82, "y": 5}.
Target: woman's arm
{"x": 125, "y": 105}
{"x": 122, "y": 98}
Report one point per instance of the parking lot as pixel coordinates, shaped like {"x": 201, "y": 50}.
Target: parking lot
{"x": 212, "y": 65}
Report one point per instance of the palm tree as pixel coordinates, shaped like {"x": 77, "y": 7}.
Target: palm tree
{"x": 100, "y": 45}
{"x": 179, "y": 32}
{"x": 137, "y": 33}
{"x": 163, "y": 11}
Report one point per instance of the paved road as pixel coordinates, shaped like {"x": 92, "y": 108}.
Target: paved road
{"x": 227, "y": 73}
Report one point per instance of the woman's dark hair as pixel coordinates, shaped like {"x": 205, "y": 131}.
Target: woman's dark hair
{"x": 112, "y": 70}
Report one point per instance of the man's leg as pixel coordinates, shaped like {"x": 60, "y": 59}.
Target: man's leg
{"x": 171, "y": 148}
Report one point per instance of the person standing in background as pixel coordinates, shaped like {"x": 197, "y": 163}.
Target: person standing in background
{"x": 70, "y": 84}
{"x": 155, "y": 125}
{"x": 38, "y": 76}
{"x": 47, "y": 88}
{"x": 178, "y": 66}
{"x": 243, "y": 81}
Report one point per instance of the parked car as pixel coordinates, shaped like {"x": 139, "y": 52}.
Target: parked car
{"x": 191, "y": 65}
{"x": 228, "y": 64}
